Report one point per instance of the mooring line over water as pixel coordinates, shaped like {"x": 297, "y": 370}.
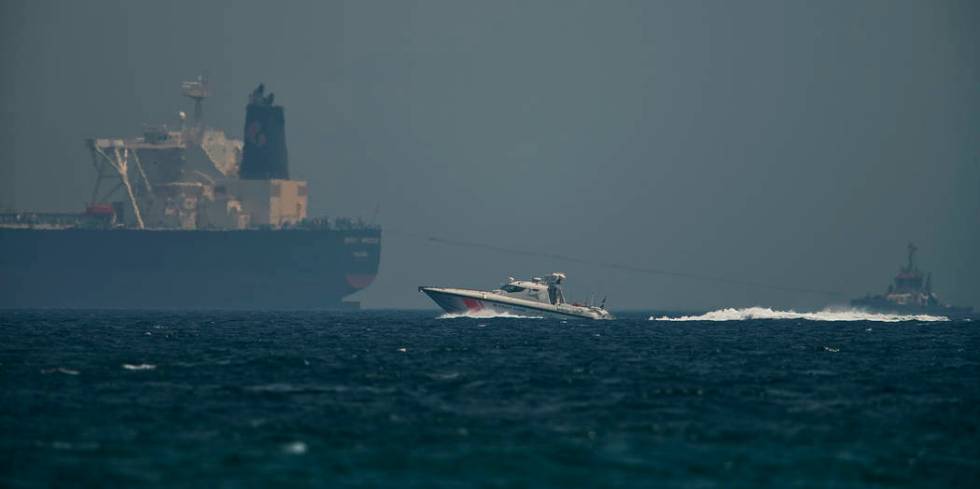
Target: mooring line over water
{"x": 617, "y": 266}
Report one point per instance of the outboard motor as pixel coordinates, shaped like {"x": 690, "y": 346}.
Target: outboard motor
{"x": 264, "y": 155}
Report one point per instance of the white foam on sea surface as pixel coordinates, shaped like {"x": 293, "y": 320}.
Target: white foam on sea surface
{"x": 485, "y": 314}
{"x": 141, "y": 366}
{"x": 64, "y": 445}
{"x": 59, "y": 370}
{"x": 750, "y": 313}
{"x": 295, "y": 448}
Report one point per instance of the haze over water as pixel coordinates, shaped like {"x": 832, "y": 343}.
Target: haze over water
{"x": 800, "y": 144}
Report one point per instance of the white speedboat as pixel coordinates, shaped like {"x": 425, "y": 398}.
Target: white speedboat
{"x": 535, "y": 297}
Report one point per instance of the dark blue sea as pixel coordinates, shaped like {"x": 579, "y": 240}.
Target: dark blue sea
{"x": 405, "y": 399}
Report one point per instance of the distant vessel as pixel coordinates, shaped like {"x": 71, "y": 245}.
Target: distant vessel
{"x": 538, "y": 296}
{"x": 911, "y": 293}
{"x": 189, "y": 219}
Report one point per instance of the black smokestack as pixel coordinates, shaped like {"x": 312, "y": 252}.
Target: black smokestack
{"x": 264, "y": 156}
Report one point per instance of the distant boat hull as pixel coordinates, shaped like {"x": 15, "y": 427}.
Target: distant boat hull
{"x": 468, "y": 301}
{"x": 911, "y": 293}
{"x": 881, "y": 305}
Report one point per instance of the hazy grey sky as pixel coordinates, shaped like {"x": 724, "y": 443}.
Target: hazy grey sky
{"x": 792, "y": 143}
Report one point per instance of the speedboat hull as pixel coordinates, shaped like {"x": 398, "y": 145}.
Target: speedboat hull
{"x": 468, "y": 301}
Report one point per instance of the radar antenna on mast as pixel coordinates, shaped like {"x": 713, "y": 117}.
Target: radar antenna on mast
{"x": 912, "y": 249}
{"x": 197, "y": 91}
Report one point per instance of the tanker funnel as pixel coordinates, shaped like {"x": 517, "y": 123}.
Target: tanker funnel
{"x": 264, "y": 156}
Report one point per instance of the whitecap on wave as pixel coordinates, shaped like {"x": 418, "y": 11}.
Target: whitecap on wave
{"x": 742, "y": 314}
{"x": 295, "y": 448}
{"x": 60, "y": 370}
{"x": 485, "y": 314}
{"x": 141, "y": 366}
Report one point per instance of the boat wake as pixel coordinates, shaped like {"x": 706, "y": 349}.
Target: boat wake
{"x": 485, "y": 314}
{"x": 748, "y": 313}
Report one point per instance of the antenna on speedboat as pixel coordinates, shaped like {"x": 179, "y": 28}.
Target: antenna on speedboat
{"x": 603, "y": 304}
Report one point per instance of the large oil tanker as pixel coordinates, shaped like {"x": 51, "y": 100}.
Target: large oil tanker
{"x": 189, "y": 219}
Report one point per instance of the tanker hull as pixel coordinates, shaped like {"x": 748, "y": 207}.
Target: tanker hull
{"x": 178, "y": 269}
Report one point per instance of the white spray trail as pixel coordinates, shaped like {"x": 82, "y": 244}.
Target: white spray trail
{"x": 742, "y": 314}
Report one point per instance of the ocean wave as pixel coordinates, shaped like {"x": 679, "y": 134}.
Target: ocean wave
{"x": 295, "y": 448}
{"x": 485, "y": 314}
{"x": 742, "y": 314}
{"x": 281, "y": 388}
{"x": 141, "y": 366}
{"x": 59, "y": 370}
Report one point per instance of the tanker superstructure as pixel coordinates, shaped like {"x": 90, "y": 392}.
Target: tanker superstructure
{"x": 190, "y": 218}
